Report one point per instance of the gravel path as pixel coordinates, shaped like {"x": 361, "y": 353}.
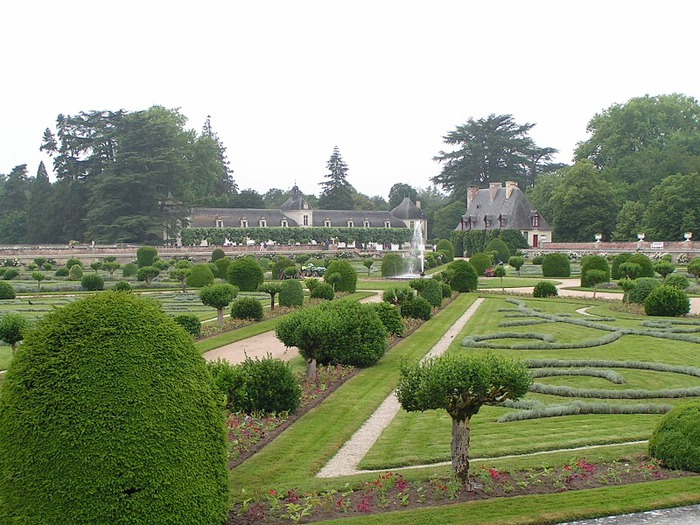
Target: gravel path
{"x": 345, "y": 462}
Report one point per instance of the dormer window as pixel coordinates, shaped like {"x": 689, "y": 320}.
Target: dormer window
{"x": 502, "y": 221}
{"x": 219, "y": 223}
{"x": 535, "y": 220}
{"x": 365, "y": 223}
{"x": 284, "y": 223}
{"x": 244, "y": 222}
{"x": 387, "y": 224}
{"x": 262, "y": 223}
{"x": 326, "y": 223}
{"x": 487, "y": 221}
{"x": 350, "y": 223}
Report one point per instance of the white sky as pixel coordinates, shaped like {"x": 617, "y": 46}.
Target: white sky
{"x": 384, "y": 80}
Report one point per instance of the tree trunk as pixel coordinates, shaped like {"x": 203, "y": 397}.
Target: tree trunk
{"x": 460, "y": 450}
{"x": 272, "y": 302}
{"x": 220, "y": 318}
{"x": 311, "y": 369}
{"x": 14, "y": 348}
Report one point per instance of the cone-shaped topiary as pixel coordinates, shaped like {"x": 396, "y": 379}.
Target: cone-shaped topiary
{"x": 497, "y": 245}
{"x": 676, "y": 438}
{"x": 109, "y": 415}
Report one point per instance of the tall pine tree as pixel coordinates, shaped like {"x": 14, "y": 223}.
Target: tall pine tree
{"x": 41, "y": 219}
{"x": 337, "y": 191}
{"x": 13, "y": 206}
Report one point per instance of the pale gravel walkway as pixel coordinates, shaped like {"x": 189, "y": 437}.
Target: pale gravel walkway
{"x": 345, "y": 462}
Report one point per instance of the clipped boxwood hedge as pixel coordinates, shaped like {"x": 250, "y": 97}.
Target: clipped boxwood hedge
{"x": 556, "y": 265}
{"x": 676, "y": 438}
{"x": 247, "y": 308}
{"x": 6, "y": 291}
{"x": 594, "y": 262}
{"x": 545, "y": 289}
{"x": 481, "y": 262}
{"x": 642, "y": 288}
{"x": 139, "y": 438}
{"x": 291, "y": 293}
{"x": 667, "y": 301}
{"x": 245, "y": 273}
{"x": 348, "y": 279}
{"x": 190, "y": 323}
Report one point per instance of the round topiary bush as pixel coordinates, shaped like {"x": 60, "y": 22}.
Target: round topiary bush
{"x": 92, "y": 282}
{"x": 245, "y": 273}
{"x": 321, "y": 290}
{"x": 676, "y": 438}
{"x": 222, "y": 266}
{"x": 217, "y": 254}
{"x": 392, "y": 265}
{"x": 537, "y": 260}
{"x": 348, "y": 275}
{"x": 417, "y": 308}
{"x": 200, "y": 276}
{"x": 481, "y": 262}
{"x": 390, "y": 317}
{"x": 397, "y": 295}
{"x": 6, "y": 291}
{"x": 129, "y": 433}
{"x": 61, "y": 272}
{"x": 146, "y": 256}
{"x": 446, "y": 290}
{"x": 75, "y": 273}
{"x": 122, "y": 286}
{"x": 678, "y": 281}
{"x": 247, "y": 308}
{"x": 432, "y": 291}
{"x": 594, "y": 262}
{"x": 556, "y": 265}
{"x": 647, "y": 267}
{"x": 130, "y": 270}
{"x": 270, "y": 387}
{"x": 620, "y": 258}
{"x": 72, "y": 262}
{"x": 545, "y": 289}
{"x": 291, "y": 293}
{"x": 445, "y": 246}
{"x": 190, "y": 323}
{"x": 667, "y": 301}
{"x": 230, "y": 380}
{"x": 642, "y": 288}
{"x": 497, "y": 245}
{"x": 463, "y": 276}
{"x": 280, "y": 265}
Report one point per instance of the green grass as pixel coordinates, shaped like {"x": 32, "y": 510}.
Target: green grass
{"x": 5, "y": 356}
{"x": 509, "y": 282}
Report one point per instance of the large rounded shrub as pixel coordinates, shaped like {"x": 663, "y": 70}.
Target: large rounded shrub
{"x": 620, "y": 258}
{"x": 667, "y": 301}
{"x": 678, "y": 281}
{"x": 497, "y": 245}
{"x": 280, "y": 265}
{"x": 200, "y": 276}
{"x": 230, "y": 380}
{"x": 6, "y": 291}
{"x": 556, "y": 265}
{"x": 222, "y": 266}
{"x": 61, "y": 272}
{"x": 676, "y": 438}
{"x": 217, "y": 254}
{"x": 464, "y": 277}
{"x": 390, "y": 317}
{"x": 247, "y": 308}
{"x": 270, "y": 387}
{"x": 121, "y": 286}
{"x": 291, "y": 293}
{"x": 75, "y": 273}
{"x": 72, "y": 262}
{"x": 348, "y": 275}
{"x": 135, "y": 433}
{"x": 445, "y": 246}
{"x": 647, "y": 267}
{"x": 418, "y": 308}
{"x": 642, "y": 288}
{"x": 130, "y": 270}
{"x": 190, "y": 323}
{"x": 594, "y": 262}
{"x": 92, "y": 282}
{"x": 321, "y": 290}
{"x": 481, "y": 262}
{"x": 432, "y": 291}
{"x": 392, "y": 265}
{"x": 545, "y": 289}
{"x": 146, "y": 256}
{"x": 245, "y": 273}
{"x": 397, "y": 295}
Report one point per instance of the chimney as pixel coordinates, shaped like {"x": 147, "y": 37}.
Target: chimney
{"x": 471, "y": 194}
{"x": 493, "y": 190}
{"x": 510, "y": 186}
{"x": 417, "y": 204}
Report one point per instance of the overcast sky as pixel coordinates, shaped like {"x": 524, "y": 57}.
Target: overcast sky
{"x": 285, "y": 81}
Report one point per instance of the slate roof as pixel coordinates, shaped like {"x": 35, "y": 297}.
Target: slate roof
{"x": 408, "y": 211}
{"x": 231, "y": 217}
{"x": 515, "y": 212}
{"x": 295, "y": 201}
{"x": 339, "y": 218}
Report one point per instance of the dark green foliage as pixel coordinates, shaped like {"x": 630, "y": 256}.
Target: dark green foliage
{"x": 544, "y": 289}
{"x": 72, "y": 262}
{"x": 676, "y": 438}
{"x": 516, "y": 262}
{"x": 141, "y": 432}
{"x": 9, "y": 274}
{"x": 432, "y": 291}
{"x": 200, "y": 275}
{"x": 556, "y": 265}
{"x": 398, "y": 295}
{"x": 664, "y": 268}
{"x": 446, "y": 246}
{"x": 392, "y": 265}
{"x": 629, "y": 270}
{"x": 619, "y": 259}
{"x": 537, "y": 260}
{"x": 92, "y": 282}
{"x": 146, "y": 256}
{"x": 74, "y": 274}
{"x": 189, "y": 322}
{"x": 642, "y": 288}
{"x": 594, "y": 262}
{"x": 644, "y": 262}
{"x": 161, "y": 265}
{"x": 121, "y": 286}
{"x": 291, "y": 293}
{"x": 348, "y": 275}
{"x": 463, "y": 276}
{"x": 694, "y": 268}
{"x": 481, "y": 262}
{"x": 497, "y": 245}
{"x": 417, "y": 308}
{"x": 6, "y": 291}
{"x": 230, "y": 380}
{"x": 678, "y": 281}
{"x": 390, "y": 317}
{"x": 667, "y": 301}
{"x": 61, "y": 272}
{"x": 280, "y": 264}
{"x": 130, "y": 270}
{"x": 321, "y": 290}
{"x": 217, "y": 254}
{"x": 218, "y": 296}
{"x": 270, "y": 387}
{"x": 514, "y": 240}
{"x": 12, "y": 328}
{"x": 222, "y": 266}
{"x": 446, "y": 290}
{"x": 147, "y": 273}
{"x": 247, "y": 308}
{"x": 245, "y": 273}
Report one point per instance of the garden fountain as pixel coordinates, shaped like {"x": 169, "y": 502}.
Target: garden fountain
{"x": 416, "y": 255}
